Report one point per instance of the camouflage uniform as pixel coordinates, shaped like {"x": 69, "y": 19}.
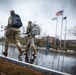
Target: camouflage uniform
{"x": 12, "y": 35}
{"x": 31, "y": 38}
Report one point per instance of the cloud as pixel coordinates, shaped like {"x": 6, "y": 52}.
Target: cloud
{"x": 73, "y": 6}
{"x": 5, "y": 4}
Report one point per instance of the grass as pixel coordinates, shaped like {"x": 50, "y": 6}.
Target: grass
{"x": 7, "y": 68}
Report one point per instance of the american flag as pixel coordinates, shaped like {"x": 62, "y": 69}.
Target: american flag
{"x": 59, "y": 13}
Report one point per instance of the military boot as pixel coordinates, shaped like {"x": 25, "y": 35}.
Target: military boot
{"x": 5, "y": 53}
{"x": 20, "y": 55}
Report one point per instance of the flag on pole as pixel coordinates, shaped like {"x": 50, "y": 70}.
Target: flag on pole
{"x": 59, "y": 13}
{"x": 55, "y": 18}
{"x": 65, "y": 17}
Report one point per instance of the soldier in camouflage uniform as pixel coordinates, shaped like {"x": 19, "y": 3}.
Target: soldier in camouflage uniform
{"x": 31, "y": 38}
{"x": 12, "y": 35}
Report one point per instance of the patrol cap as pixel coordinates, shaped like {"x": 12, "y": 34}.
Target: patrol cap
{"x": 30, "y": 22}
{"x": 12, "y": 12}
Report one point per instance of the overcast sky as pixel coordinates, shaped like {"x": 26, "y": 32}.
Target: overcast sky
{"x": 41, "y": 11}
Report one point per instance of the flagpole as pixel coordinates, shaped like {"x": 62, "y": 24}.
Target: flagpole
{"x": 61, "y": 30}
{"x": 56, "y": 32}
{"x": 65, "y": 34}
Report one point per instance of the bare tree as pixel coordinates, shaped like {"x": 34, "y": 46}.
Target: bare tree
{"x": 73, "y": 31}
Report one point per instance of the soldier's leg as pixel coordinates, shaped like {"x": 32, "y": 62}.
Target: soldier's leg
{"x": 26, "y": 58}
{"x": 19, "y": 46}
{"x": 34, "y": 50}
{"x": 33, "y": 46}
{"x": 28, "y": 45}
{"x": 6, "y": 47}
{"x": 19, "y": 49}
{"x": 27, "y": 48}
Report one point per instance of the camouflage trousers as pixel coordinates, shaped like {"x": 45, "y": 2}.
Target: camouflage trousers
{"x": 31, "y": 44}
{"x": 12, "y": 36}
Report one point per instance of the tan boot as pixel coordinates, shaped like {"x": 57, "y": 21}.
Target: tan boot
{"x": 20, "y": 55}
{"x": 5, "y": 53}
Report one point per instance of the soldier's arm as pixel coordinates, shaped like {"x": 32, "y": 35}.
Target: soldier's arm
{"x": 10, "y": 20}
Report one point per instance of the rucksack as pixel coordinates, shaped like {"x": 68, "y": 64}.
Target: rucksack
{"x": 35, "y": 29}
{"x": 16, "y": 21}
